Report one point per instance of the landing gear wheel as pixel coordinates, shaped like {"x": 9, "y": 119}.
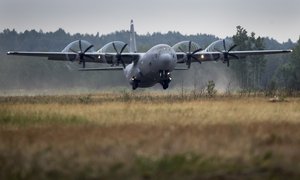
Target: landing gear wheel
{"x": 165, "y": 77}
{"x": 134, "y": 85}
{"x": 165, "y": 84}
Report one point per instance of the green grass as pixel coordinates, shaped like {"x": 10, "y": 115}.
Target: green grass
{"x": 196, "y": 166}
{"x": 8, "y": 117}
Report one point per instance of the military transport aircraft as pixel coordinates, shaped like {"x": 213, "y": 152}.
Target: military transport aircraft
{"x": 146, "y": 69}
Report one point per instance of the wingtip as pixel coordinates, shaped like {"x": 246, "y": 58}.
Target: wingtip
{"x": 288, "y": 50}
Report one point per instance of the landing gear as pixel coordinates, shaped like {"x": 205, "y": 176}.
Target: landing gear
{"x": 165, "y": 84}
{"x": 134, "y": 83}
{"x": 165, "y": 77}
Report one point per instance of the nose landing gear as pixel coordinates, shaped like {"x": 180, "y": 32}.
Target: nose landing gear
{"x": 165, "y": 84}
{"x": 165, "y": 77}
{"x": 134, "y": 83}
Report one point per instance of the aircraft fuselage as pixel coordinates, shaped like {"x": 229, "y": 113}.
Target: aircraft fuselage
{"x": 155, "y": 66}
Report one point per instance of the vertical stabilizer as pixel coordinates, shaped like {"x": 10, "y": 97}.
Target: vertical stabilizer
{"x": 132, "y": 43}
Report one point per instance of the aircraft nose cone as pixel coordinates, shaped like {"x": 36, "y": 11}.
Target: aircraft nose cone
{"x": 165, "y": 61}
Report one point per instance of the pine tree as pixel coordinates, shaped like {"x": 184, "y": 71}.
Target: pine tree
{"x": 295, "y": 63}
{"x": 248, "y": 71}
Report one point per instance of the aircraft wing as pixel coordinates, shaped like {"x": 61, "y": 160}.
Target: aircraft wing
{"x": 115, "y": 68}
{"x": 258, "y": 52}
{"x": 58, "y": 56}
{"x": 94, "y": 57}
{"x": 215, "y": 56}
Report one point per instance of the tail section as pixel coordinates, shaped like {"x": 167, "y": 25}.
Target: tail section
{"x": 132, "y": 43}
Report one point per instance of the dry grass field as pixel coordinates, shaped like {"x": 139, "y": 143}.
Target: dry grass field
{"x": 148, "y": 136}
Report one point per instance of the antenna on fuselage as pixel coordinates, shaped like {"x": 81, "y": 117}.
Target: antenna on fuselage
{"x": 132, "y": 42}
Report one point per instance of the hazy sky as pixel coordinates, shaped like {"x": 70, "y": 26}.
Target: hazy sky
{"x": 279, "y": 19}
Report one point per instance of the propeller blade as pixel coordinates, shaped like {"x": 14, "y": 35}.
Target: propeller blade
{"x": 87, "y": 49}
{"x": 120, "y": 59}
{"x": 82, "y": 54}
{"x": 188, "y": 61}
{"x": 115, "y": 48}
{"x": 82, "y": 60}
{"x": 80, "y": 47}
{"x": 198, "y": 50}
{"x": 190, "y": 55}
{"x": 224, "y": 44}
{"x": 193, "y": 57}
{"x": 123, "y": 48}
{"x": 190, "y": 46}
{"x": 119, "y": 55}
{"x": 227, "y": 53}
{"x": 232, "y": 47}
{"x": 189, "y": 65}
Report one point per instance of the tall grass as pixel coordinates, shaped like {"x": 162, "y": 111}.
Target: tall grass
{"x": 27, "y": 117}
{"x": 148, "y": 136}
{"x": 155, "y": 110}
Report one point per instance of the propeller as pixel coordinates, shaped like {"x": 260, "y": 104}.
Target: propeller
{"x": 226, "y": 53}
{"x": 82, "y": 54}
{"x": 190, "y": 55}
{"x": 119, "y": 54}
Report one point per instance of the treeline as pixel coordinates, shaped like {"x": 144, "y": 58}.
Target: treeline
{"x": 254, "y": 73}
{"x": 56, "y": 41}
